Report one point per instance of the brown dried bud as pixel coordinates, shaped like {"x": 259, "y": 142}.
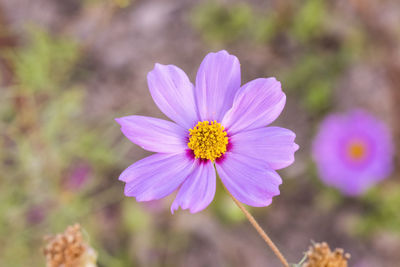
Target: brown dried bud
{"x": 69, "y": 249}
{"x": 320, "y": 255}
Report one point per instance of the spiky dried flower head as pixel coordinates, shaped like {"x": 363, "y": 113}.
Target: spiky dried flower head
{"x": 320, "y": 255}
{"x": 69, "y": 249}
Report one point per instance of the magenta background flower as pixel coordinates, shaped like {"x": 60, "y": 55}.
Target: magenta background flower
{"x": 217, "y": 125}
{"x": 36, "y": 214}
{"x": 78, "y": 176}
{"x": 353, "y": 151}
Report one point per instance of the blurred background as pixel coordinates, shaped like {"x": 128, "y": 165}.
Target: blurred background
{"x": 69, "y": 67}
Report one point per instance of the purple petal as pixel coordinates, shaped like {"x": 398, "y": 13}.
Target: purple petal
{"x": 156, "y": 176}
{"x": 153, "y": 134}
{"x": 198, "y": 190}
{"x": 217, "y": 82}
{"x": 249, "y": 180}
{"x": 173, "y": 94}
{"x": 273, "y": 145}
{"x": 256, "y": 104}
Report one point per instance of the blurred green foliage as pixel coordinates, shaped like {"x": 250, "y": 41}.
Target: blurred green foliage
{"x": 382, "y": 211}
{"x": 47, "y": 64}
{"x": 44, "y": 136}
{"x": 226, "y": 23}
{"x": 308, "y": 21}
{"x": 217, "y": 23}
{"x": 313, "y": 77}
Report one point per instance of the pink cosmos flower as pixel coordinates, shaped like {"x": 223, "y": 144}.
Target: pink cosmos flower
{"x": 217, "y": 125}
{"x": 353, "y": 151}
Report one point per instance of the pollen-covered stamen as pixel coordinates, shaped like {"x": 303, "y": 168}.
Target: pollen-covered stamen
{"x": 208, "y": 140}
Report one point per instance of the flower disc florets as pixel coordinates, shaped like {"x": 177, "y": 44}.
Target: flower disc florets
{"x": 208, "y": 140}
{"x": 357, "y": 150}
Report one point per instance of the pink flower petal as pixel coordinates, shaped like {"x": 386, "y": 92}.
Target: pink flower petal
{"x": 173, "y": 94}
{"x": 274, "y": 145}
{"x": 217, "y": 82}
{"x": 156, "y": 176}
{"x": 248, "y": 179}
{"x": 256, "y": 104}
{"x": 198, "y": 190}
{"x": 153, "y": 134}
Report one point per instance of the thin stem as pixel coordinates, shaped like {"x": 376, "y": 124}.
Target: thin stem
{"x": 260, "y": 231}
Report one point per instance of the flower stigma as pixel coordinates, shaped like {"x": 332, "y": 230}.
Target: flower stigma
{"x": 208, "y": 140}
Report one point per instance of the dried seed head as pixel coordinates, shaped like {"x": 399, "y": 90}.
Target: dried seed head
{"x": 320, "y": 255}
{"x": 69, "y": 249}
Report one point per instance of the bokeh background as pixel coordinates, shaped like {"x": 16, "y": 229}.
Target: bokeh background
{"x": 69, "y": 67}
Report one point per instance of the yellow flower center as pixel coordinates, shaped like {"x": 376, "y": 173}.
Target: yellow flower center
{"x": 208, "y": 140}
{"x": 357, "y": 151}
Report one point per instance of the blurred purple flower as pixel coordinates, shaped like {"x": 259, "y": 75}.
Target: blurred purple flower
{"x": 353, "y": 152}
{"x": 78, "y": 176}
{"x": 218, "y": 125}
{"x": 35, "y": 214}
